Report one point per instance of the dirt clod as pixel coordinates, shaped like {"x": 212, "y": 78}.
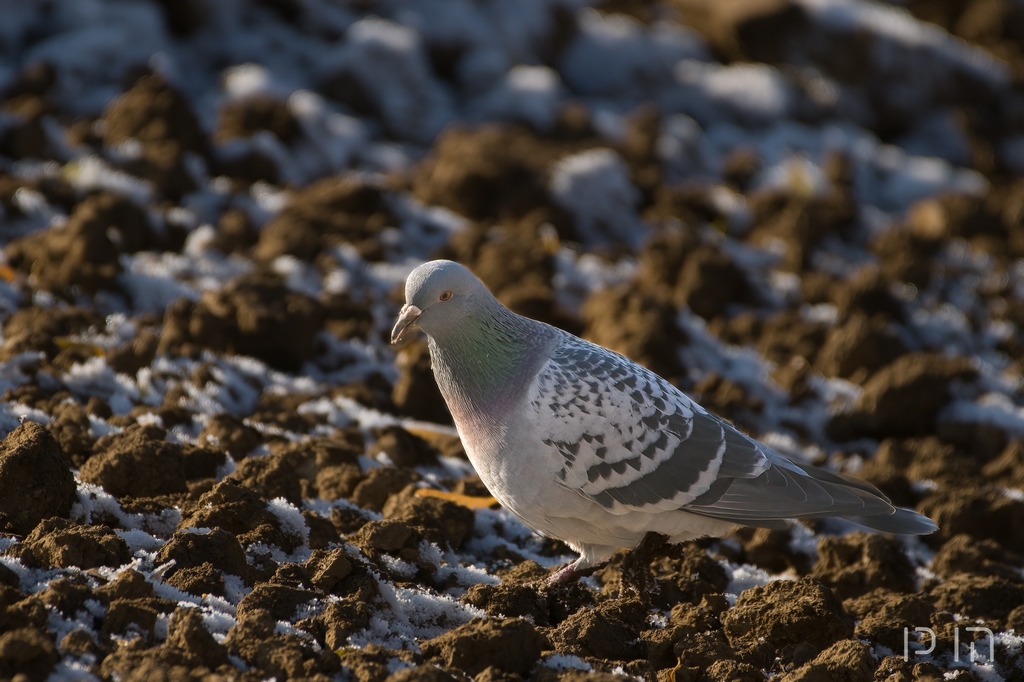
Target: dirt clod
{"x": 245, "y": 117}
{"x": 41, "y": 329}
{"x": 161, "y": 118}
{"x": 594, "y": 633}
{"x": 327, "y": 568}
{"x": 512, "y": 645}
{"x": 415, "y": 393}
{"x": 137, "y": 463}
{"x": 799, "y": 619}
{"x": 379, "y": 484}
{"x": 964, "y": 554}
{"x": 770, "y": 550}
{"x": 35, "y": 478}
{"x": 989, "y": 598}
{"x": 61, "y": 544}
{"x": 241, "y": 512}
{"x": 902, "y": 398}
{"x": 405, "y": 449}
{"x": 330, "y": 212}
{"x": 231, "y": 433}
{"x": 129, "y": 584}
{"x": 733, "y": 671}
{"x": 276, "y": 475}
{"x": 711, "y": 283}
{"x": 858, "y": 348}
{"x": 484, "y": 174}
{"x": 446, "y": 523}
{"x": 217, "y": 549}
{"x": 978, "y": 512}
{"x": 198, "y": 580}
{"x": 859, "y": 562}
{"x": 27, "y": 652}
{"x": 884, "y": 616}
{"x": 186, "y": 633}
{"x": 245, "y": 317}
{"x": 847, "y": 660}
{"x": 279, "y": 601}
{"x": 83, "y": 253}
{"x": 388, "y": 537}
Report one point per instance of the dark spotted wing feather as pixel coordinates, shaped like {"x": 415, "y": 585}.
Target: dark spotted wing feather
{"x": 629, "y": 440}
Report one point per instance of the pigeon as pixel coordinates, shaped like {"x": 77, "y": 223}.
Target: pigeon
{"x": 588, "y": 447}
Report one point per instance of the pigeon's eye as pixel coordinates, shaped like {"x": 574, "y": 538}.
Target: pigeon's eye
{"x": 446, "y": 294}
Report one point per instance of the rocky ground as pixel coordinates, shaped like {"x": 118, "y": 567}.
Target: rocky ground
{"x": 808, "y": 214}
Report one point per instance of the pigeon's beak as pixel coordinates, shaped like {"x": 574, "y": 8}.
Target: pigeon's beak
{"x": 406, "y": 320}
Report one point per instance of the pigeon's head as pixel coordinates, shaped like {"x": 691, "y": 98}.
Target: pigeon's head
{"x": 438, "y": 296}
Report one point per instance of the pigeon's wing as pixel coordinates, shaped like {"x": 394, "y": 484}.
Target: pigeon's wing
{"x": 627, "y": 438}
{"x": 630, "y": 441}
{"x": 789, "y": 490}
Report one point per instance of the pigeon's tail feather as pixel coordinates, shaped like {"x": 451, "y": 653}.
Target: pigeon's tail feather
{"x": 790, "y": 490}
{"x": 839, "y": 479}
{"x": 903, "y": 521}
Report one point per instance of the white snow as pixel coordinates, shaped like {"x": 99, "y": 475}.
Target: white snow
{"x": 140, "y": 531}
{"x": 904, "y": 43}
{"x": 525, "y": 93}
{"x": 994, "y": 409}
{"x": 89, "y": 173}
{"x": 289, "y": 518}
{"x": 499, "y": 528}
{"x": 595, "y": 186}
{"x": 745, "y": 576}
{"x": 410, "y": 614}
{"x": 614, "y": 55}
{"x": 566, "y": 662}
{"x": 749, "y": 94}
{"x": 389, "y": 64}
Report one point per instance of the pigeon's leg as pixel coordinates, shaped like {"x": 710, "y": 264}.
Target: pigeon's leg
{"x": 591, "y": 559}
{"x": 568, "y": 573}
{"x": 636, "y": 565}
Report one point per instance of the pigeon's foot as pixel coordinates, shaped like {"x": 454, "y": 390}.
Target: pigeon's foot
{"x": 571, "y": 572}
{"x": 636, "y": 566}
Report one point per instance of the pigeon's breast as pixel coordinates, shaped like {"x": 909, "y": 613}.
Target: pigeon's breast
{"x": 509, "y": 452}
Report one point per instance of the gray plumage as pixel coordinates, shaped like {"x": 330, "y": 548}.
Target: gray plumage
{"x": 586, "y": 446}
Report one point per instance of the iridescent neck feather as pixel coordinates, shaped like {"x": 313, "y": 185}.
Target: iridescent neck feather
{"x": 485, "y": 365}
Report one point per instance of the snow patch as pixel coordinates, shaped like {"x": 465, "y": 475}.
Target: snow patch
{"x": 595, "y": 186}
